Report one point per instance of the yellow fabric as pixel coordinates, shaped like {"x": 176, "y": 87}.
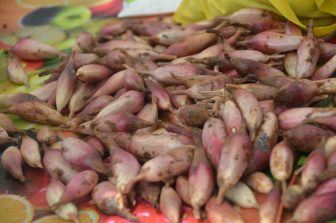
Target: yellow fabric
{"x": 298, "y": 11}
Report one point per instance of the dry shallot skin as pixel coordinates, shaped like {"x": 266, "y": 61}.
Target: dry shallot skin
{"x": 328, "y": 122}
{"x": 246, "y": 66}
{"x": 290, "y": 118}
{"x": 265, "y": 140}
{"x": 79, "y": 186}
{"x": 166, "y": 166}
{"x": 174, "y": 73}
{"x": 272, "y": 42}
{"x": 158, "y": 107}
{"x": 233, "y": 162}
{"x": 85, "y": 41}
{"x": 113, "y": 60}
{"x": 82, "y": 155}
{"x": 29, "y": 49}
{"x": 292, "y": 196}
{"x": 212, "y": 51}
{"x": 170, "y": 204}
{"x": 292, "y": 29}
{"x": 95, "y": 105}
{"x": 97, "y": 144}
{"x": 250, "y": 109}
{"x": 314, "y": 209}
{"x": 92, "y": 73}
{"x": 67, "y": 211}
{"x": 106, "y": 47}
{"x": 326, "y": 70}
{"x": 221, "y": 213}
{"x": 295, "y": 116}
{"x": 150, "y": 192}
{"x": 213, "y": 138}
{"x": 242, "y": 195}
{"x": 150, "y": 145}
{"x": 52, "y": 99}
{"x": 268, "y": 208}
{"x": 113, "y": 29}
{"x": 328, "y": 186}
{"x": 260, "y": 91}
{"x": 306, "y": 137}
{"x": 182, "y": 189}
{"x": 149, "y": 112}
{"x": 57, "y": 146}
{"x": 178, "y": 100}
{"x": 120, "y": 92}
{"x": 46, "y": 136}
{"x": 252, "y": 55}
{"x": 312, "y": 170}
{"x": 171, "y": 117}
{"x": 30, "y": 151}
{"x": 110, "y": 201}
{"x": 331, "y": 162}
{"x": 112, "y": 84}
{"x": 261, "y": 24}
{"x": 81, "y": 59}
{"x": 6, "y": 123}
{"x": 118, "y": 122}
{"x": 123, "y": 122}
{"x": 207, "y": 88}
{"x": 274, "y": 80}
{"x": 150, "y": 54}
{"x": 151, "y": 27}
{"x": 130, "y": 101}
{"x": 246, "y": 14}
{"x": 123, "y": 167}
{"x": 3, "y": 132}
{"x": 57, "y": 166}
{"x": 193, "y": 115}
{"x": 201, "y": 181}
{"x": 11, "y": 161}
{"x": 232, "y": 117}
{"x": 8, "y": 100}
{"x": 281, "y": 161}
{"x": 326, "y": 86}
{"x": 290, "y": 62}
{"x": 328, "y": 50}
{"x": 308, "y": 53}
{"x": 330, "y": 146}
{"x": 259, "y": 182}
{"x": 187, "y": 46}
{"x": 79, "y": 97}
{"x": 133, "y": 81}
{"x": 66, "y": 84}
{"x": 5, "y": 138}
{"x": 45, "y": 92}
{"x": 15, "y": 72}
{"x": 145, "y": 65}
{"x": 157, "y": 91}
{"x": 117, "y": 139}
{"x": 297, "y": 93}
{"x": 37, "y": 112}
{"x": 168, "y": 37}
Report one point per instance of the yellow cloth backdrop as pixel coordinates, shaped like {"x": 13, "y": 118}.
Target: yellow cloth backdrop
{"x": 298, "y": 11}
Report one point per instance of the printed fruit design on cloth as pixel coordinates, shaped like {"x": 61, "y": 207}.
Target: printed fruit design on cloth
{"x": 15, "y": 209}
{"x": 71, "y": 17}
{"x": 87, "y": 216}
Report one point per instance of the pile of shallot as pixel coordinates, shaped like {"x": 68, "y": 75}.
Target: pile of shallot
{"x": 205, "y": 115}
